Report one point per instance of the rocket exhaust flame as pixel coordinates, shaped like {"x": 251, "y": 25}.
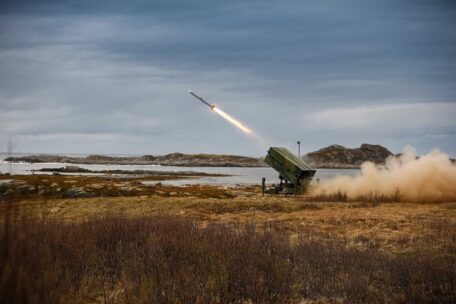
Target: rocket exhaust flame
{"x": 232, "y": 120}
{"x": 224, "y": 115}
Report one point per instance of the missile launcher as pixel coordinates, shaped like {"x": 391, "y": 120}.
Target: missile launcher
{"x": 294, "y": 173}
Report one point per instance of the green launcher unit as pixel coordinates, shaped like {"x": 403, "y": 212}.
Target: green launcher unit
{"x": 294, "y": 173}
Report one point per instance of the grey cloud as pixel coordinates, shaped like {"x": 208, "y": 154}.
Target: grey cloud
{"x": 121, "y": 68}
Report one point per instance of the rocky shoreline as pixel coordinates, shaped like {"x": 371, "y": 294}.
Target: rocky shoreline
{"x": 55, "y": 186}
{"x": 76, "y": 169}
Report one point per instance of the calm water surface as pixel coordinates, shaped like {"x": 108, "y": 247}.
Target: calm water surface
{"x": 242, "y": 176}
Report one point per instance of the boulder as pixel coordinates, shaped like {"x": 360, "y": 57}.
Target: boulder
{"x": 76, "y": 192}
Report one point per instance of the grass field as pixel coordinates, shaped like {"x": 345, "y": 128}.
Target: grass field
{"x": 123, "y": 242}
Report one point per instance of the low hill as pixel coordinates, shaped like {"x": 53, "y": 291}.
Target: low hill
{"x": 336, "y": 156}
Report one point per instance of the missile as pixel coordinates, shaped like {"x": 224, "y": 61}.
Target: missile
{"x": 202, "y": 100}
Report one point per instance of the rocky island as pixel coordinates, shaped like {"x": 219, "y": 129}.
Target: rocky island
{"x": 340, "y": 157}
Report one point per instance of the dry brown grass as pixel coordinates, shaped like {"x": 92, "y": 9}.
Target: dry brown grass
{"x": 162, "y": 259}
{"x": 371, "y": 197}
{"x": 393, "y": 227}
{"x": 204, "y": 244}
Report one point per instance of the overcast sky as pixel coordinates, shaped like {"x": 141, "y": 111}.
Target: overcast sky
{"x": 112, "y": 76}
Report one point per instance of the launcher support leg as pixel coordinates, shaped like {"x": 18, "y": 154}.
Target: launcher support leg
{"x": 263, "y": 185}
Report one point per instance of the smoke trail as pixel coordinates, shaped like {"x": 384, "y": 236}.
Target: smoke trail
{"x": 429, "y": 178}
{"x": 260, "y": 142}
{"x": 232, "y": 120}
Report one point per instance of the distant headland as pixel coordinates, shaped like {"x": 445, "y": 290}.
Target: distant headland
{"x": 333, "y": 156}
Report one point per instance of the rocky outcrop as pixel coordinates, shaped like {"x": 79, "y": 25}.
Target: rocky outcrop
{"x": 336, "y": 156}
{"x": 173, "y": 159}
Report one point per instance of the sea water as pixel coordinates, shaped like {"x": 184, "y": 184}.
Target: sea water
{"x": 237, "y": 175}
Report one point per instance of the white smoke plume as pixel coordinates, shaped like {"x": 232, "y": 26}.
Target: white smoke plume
{"x": 428, "y": 178}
